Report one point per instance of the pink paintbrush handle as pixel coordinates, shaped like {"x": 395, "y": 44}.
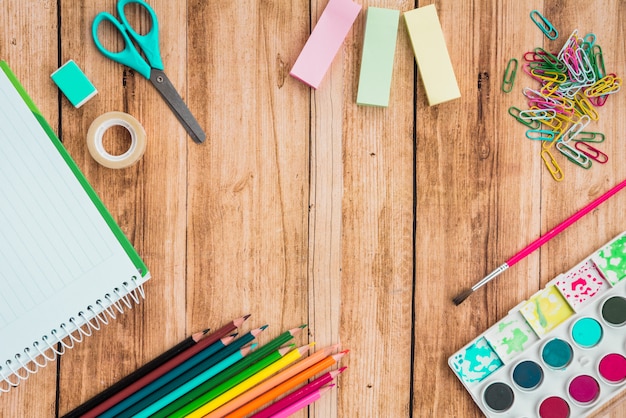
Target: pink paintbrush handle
{"x": 559, "y": 228}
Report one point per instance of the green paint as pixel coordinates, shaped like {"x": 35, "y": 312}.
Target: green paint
{"x": 542, "y": 319}
{"x": 502, "y": 325}
{"x": 515, "y": 344}
{"x": 612, "y": 260}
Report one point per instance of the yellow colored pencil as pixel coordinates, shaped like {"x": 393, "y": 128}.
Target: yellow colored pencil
{"x": 270, "y": 383}
{"x": 250, "y": 382}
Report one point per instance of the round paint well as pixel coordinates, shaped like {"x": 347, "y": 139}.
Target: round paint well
{"x": 499, "y": 396}
{"x": 612, "y": 368}
{"x": 584, "y": 389}
{"x": 554, "y": 407}
{"x": 587, "y": 332}
{"x": 557, "y": 354}
{"x": 527, "y": 375}
{"x": 614, "y": 311}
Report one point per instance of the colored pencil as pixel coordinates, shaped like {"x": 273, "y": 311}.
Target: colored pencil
{"x": 228, "y": 373}
{"x": 287, "y": 385}
{"x": 195, "y": 409}
{"x": 539, "y": 242}
{"x": 302, "y": 403}
{"x": 207, "y": 374}
{"x": 191, "y": 368}
{"x": 139, "y": 373}
{"x": 251, "y": 381}
{"x": 200, "y": 361}
{"x": 99, "y": 408}
{"x": 323, "y": 380}
{"x": 272, "y": 382}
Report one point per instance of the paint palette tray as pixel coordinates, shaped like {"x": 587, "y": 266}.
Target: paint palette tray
{"x": 561, "y": 353}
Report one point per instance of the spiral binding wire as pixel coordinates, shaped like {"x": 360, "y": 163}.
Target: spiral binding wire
{"x": 47, "y": 349}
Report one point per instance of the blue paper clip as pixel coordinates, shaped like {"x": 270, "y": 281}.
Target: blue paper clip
{"x": 544, "y": 24}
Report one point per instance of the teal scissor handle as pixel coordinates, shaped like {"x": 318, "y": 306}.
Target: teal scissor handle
{"x": 149, "y": 43}
{"x": 129, "y": 56}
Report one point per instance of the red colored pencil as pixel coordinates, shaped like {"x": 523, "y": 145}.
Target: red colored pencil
{"x": 164, "y": 368}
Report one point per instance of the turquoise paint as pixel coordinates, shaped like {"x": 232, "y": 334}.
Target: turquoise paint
{"x": 587, "y": 332}
{"x": 557, "y": 353}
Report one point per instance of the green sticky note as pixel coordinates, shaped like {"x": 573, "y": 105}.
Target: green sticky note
{"x": 379, "y": 47}
{"x": 74, "y": 83}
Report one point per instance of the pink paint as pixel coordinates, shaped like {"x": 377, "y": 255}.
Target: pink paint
{"x": 554, "y": 407}
{"x": 613, "y": 368}
{"x": 584, "y": 389}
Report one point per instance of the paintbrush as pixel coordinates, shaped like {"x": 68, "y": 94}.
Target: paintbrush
{"x": 538, "y": 243}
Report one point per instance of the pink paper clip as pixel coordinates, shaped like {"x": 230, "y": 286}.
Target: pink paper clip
{"x": 591, "y": 152}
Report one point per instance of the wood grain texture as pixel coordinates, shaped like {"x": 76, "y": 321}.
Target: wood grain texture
{"x": 302, "y": 207}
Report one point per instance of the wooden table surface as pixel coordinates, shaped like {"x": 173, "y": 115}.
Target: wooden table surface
{"x": 302, "y": 207}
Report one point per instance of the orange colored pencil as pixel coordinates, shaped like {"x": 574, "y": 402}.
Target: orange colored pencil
{"x": 284, "y": 387}
{"x": 279, "y": 378}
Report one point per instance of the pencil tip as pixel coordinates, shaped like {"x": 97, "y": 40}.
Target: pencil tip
{"x": 303, "y": 326}
{"x": 460, "y": 298}
{"x": 264, "y": 327}
{"x": 246, "y": 316}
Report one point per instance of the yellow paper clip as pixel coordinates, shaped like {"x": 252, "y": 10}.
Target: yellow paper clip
{"x": 586, "y": 107}
{"x": 552, "y": 165}
{"x": 574, "y": 155}
{"x": 509, "y": 75}
{"x": 544, "y": 24}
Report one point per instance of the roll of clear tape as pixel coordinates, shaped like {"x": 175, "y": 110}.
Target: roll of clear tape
{"x": 96, "y": 133}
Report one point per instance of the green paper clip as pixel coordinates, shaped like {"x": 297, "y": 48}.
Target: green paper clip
{"x": 544, "y": 24}
{"x": 509, "y": 75}
{"x": 573, "y": 155}
{"x": 586, "y": 136}
{"x": 532, "y": 124}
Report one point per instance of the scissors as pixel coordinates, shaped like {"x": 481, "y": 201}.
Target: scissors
{"x": 152, "y": 66}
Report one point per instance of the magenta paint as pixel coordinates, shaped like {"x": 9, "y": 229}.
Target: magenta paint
{"x": 584, "y": 389}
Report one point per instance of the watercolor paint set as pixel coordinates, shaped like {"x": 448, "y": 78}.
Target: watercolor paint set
{"x": 561, "y": 353}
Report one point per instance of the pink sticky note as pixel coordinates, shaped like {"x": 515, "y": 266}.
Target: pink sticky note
{"x": 325, "y": 40}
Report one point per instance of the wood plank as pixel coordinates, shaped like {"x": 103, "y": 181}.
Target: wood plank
{"x": 147, "y": 199}
{"x": 32, "y": 59}
{"x": 472, "y": 210}
{"x": 376, "y": 229}
{"x": 248, "y": 185}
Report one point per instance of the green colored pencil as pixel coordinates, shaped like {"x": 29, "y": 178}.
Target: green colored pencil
{"x": 220, "y": 378}
{"x": 233, "y": 381}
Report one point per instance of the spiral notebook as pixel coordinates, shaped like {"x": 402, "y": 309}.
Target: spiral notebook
{"x": 66, "y": 268}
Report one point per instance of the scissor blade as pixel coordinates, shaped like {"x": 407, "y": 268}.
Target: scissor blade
{"x": 175, "y": 102}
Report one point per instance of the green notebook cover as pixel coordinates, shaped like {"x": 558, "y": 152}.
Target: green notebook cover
{"x": 119, "y": 234}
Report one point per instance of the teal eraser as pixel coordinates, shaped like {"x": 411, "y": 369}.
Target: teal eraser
{"x": 74, "y": 83}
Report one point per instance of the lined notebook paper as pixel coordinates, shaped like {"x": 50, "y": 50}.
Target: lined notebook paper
{"x": 63, "y": 260}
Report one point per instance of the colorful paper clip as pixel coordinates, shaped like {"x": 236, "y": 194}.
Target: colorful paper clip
{"x": 552, "y": 166}
{"x": 591, "y": 152}
{"x": 509, "y": 75}
{"x": 540, "y": 134}
{"x": 573, "y": 155}
{"x": 532, "y": 124}
{"x": 586, "y": 136}
{"x": 544, "y": 24}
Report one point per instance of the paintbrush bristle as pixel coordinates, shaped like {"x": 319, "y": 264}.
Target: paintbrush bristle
{"x": 460, "y": 298}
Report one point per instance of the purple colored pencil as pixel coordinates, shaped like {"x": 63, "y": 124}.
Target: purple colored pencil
{"x": 305, "y": 390}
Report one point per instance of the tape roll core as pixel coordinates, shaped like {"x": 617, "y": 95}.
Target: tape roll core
{"x": 96, "y": 133}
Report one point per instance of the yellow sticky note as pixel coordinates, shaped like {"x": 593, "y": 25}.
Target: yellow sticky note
{"x": 431, "y": 54}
